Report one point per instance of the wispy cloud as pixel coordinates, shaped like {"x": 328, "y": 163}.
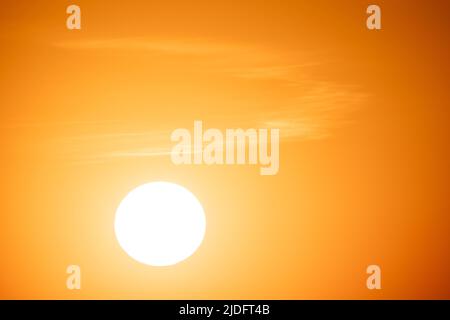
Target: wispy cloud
{"x": 310, "y": 108}
{"x": 13, "y": 124}
{"x": 193, "y": 47}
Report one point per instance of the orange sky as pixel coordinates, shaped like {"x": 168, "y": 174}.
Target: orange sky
{"x": 364, "y": 162}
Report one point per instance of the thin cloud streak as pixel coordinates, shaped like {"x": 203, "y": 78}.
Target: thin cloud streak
{"x": 311, "y": 109}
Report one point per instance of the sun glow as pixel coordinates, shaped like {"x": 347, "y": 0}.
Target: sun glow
{"x": 160, "y": 224}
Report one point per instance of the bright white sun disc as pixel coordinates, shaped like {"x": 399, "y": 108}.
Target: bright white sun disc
{"x": 160, "y": 223}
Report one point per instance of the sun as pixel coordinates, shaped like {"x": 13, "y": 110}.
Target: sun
{"x": 160, "y": 224}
